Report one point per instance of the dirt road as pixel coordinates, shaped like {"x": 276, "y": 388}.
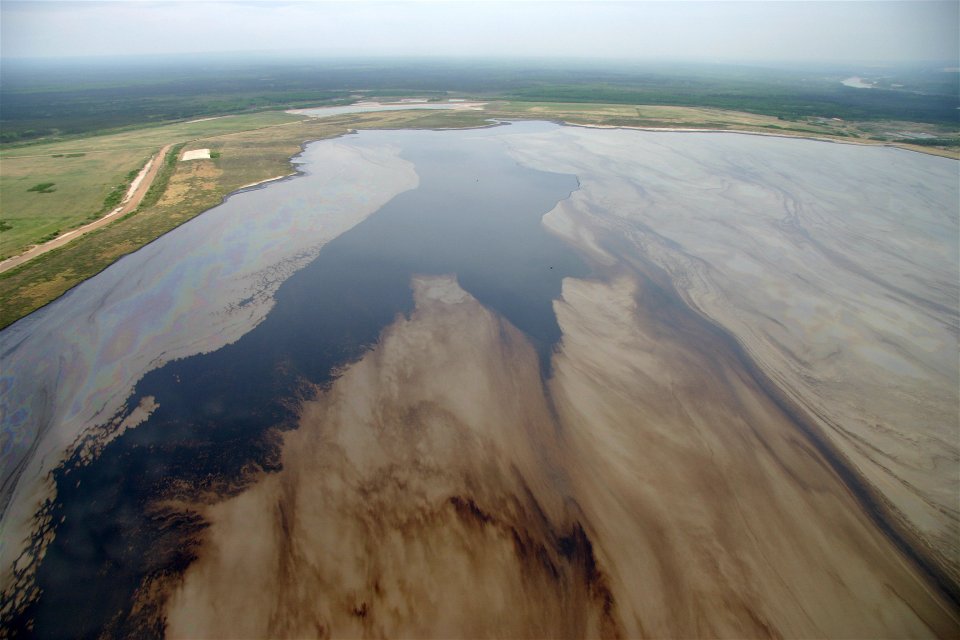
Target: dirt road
{"x": 139, "y": 188}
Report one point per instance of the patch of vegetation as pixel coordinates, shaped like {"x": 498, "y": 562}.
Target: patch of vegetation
{"x": 74, "y": 97}
{"x": 43, "y": 187}
{"x": 934, "y": 142}
{"x": 25, "y": 135}
{"x": 83, "y": 183}
{"x": 214, "y": 155}
{"x": 115, "y": 197}
{"x": 448, "y": 119}
{"x": 160, "y": 181}
{"x": 5, "y": 225}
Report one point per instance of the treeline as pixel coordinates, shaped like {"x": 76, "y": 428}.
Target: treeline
{"x": 44, "y": 98}
{"x": 27, "y": 116}
{"x": 842, "y": 102}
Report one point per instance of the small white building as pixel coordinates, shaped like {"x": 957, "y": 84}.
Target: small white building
{"x": 196, "y": 154}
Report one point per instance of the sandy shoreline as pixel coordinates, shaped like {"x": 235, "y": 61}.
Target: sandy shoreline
{"x": 746, "y": 132}
{"x": 254, "y": 184}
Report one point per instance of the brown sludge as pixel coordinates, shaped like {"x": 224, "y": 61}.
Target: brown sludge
{"x": 649, "y": 488}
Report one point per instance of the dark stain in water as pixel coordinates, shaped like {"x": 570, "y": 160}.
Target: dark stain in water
{"x": 476, "y": 214}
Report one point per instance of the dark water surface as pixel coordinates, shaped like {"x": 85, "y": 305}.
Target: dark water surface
{"x": 476, "y": 214}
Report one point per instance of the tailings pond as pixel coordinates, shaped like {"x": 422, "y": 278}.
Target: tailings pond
{"x": 599, "y": 382}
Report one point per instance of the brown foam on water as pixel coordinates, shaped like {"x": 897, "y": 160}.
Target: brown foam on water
{"x": 440, "y": 489}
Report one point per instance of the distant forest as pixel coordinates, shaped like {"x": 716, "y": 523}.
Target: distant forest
{"x": 43, "y": 98}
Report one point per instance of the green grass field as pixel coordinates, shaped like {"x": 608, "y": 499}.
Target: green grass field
{"x": 80, "y": 187}
{"x": 85, "y": 172}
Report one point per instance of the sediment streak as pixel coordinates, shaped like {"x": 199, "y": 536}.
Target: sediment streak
{"x": 649, "y": 488}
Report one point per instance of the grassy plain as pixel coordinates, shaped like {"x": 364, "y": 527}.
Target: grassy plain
{"x": 85, "y": 171}
{"x": 254, "y": 147}
{"x": 80, "y": 186}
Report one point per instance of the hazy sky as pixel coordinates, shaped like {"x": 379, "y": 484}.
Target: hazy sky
{"x": 768, "y": 31}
